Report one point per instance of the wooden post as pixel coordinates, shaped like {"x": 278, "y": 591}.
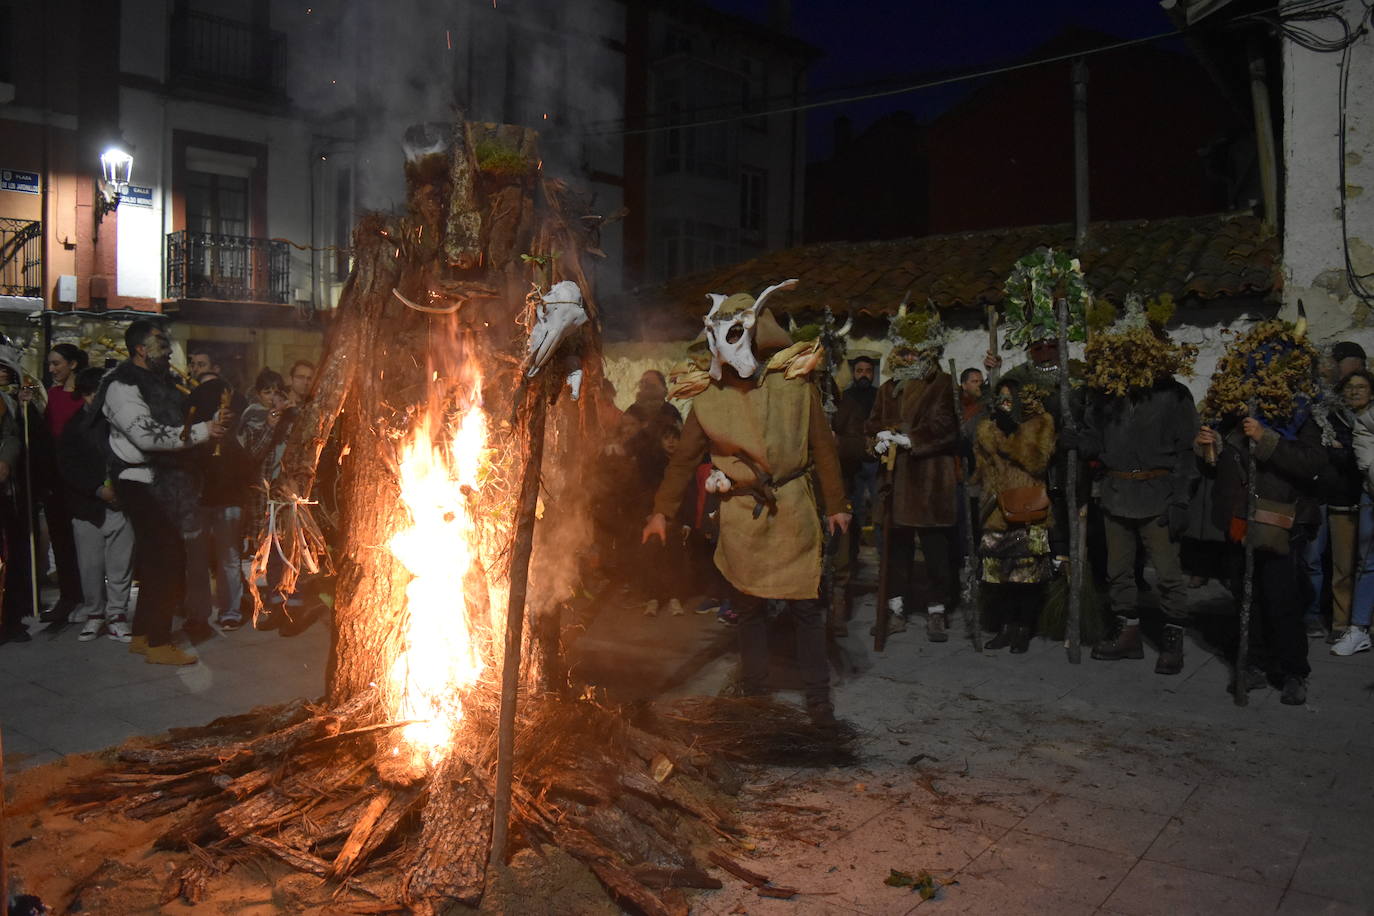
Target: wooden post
{"x": 1073, "y": 633}
{"x": 996, "y": 371}
{"x": 1247, "y": 588}
{"x": 515, "y": 620}
{"x": 1080, "y": 154}
{"x": 884, "y": 615}
{"x": 971, "y": 628}
{"x": 1264, "y": 133}
{"x": 4, "y": 869}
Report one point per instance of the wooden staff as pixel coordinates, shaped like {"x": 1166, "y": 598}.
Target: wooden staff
{"x": 995, "y": 372}
{"x": 28, "y": 509}
{"x": 4, "y": 869}
{"x": 884, "y": 615}
{"x": 190, "y": 421}
{"x": 224, "y": 399}
{"x": 515, "y": 621}
{"x": 1073, "y": 636}
{"x": 971, "y": 583}
{"x": 1247, "y": 587}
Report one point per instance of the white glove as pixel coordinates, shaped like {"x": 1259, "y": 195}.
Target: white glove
{"x": 717, "y": 482}
{"x": 889, "y": 438}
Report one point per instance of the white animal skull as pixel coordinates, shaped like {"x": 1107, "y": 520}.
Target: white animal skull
{"x": 731, "y": 337}
{"x": 557, "y": 317}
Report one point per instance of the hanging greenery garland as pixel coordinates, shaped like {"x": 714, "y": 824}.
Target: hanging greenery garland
{"x": 1034, "y": 283}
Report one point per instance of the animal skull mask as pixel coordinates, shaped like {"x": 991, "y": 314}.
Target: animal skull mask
{"x": 557, "y": 317}
{"x": 730, "y": 330}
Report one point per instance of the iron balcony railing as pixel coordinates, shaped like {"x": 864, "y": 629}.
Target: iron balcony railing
{"x": 227, "y": 54}
{"x": 21, "y": 257}
{"x": 229, "y": 268}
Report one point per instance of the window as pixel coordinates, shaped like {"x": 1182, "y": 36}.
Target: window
{"x": 686, "y": 91}
{"x": 688, "y": 246}
{"x": 753, "y": 201}
{"x": 754, "y": 91}
{"x": 677, "y": 41}
{"x": 216, "y": 204}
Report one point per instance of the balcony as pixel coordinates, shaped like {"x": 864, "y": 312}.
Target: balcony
{"x": 21, "y": 257}
{"x": 225, "y": 56}
{"x": 227, "y": 268}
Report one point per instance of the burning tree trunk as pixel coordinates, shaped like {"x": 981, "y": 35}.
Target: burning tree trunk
{"x": 388, "y": 789}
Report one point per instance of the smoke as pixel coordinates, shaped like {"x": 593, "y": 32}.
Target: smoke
{"x": 365, "y": 72}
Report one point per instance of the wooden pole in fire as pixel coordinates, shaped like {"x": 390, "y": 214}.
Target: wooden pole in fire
{"x": 515, "y": 620}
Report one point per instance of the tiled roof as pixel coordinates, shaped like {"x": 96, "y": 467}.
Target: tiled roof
{"x": 1198, "y": 257}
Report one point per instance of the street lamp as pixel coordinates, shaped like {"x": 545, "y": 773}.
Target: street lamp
{"x": 116, "y": 168}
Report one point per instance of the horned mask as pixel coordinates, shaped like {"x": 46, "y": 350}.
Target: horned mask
{"x": 730, "y": 330}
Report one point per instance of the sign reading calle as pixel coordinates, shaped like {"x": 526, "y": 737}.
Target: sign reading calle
{"x": 137, "y": 196}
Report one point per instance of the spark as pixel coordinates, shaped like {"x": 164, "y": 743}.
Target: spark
{"x": 448, "y": 37}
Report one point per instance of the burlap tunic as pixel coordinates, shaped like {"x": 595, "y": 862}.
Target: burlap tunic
{"x": 778, "y": 427}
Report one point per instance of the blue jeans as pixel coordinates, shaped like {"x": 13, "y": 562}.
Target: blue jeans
{"x": 1311, "y": 575}
{"x": 1363, "y": 611}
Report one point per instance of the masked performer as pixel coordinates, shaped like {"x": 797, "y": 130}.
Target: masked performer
{"x": 767, "y": 436}
{"x": 914, "y": 414}
{"x": 1271, "y": 369}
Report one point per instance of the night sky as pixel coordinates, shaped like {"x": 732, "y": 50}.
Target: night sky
{"x": 872, "y": 42}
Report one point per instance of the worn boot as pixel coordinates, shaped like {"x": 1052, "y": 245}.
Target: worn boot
{"x": 1170, "y": 659}
{"x": 821, "y": 713}
{"x": 936, "y": 630}
{"x": 1020, "y": 640}
{"x": 1001, "y": 640}
{"x": 1125, "y": 644}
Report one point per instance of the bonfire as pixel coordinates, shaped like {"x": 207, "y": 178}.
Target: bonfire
{"x": 447, "y": 740}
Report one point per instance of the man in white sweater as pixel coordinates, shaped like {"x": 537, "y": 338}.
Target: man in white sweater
{"x": 151, "y": 435}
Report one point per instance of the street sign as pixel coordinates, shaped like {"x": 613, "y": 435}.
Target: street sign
{"x": 15, "y": 180}
{"x": 137, "y": 196}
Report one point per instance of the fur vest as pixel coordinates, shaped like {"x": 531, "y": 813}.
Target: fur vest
{"x": 1005, "y": 462}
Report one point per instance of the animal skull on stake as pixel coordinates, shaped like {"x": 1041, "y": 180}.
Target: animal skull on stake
{"x": 557, "y": 317}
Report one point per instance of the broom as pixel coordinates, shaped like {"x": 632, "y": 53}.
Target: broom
{"x": 1054, "y": 616}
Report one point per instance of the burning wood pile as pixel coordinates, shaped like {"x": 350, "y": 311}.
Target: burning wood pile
{"x": 463, "y": 324}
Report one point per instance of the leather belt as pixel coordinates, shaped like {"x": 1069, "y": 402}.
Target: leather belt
{"x": 1153, "y": 474}
{"x": 1277, "y": 519}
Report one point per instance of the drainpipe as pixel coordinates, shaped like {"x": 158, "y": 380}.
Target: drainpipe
{"x": 1080, "y": 154}
{"x": 1264, "y": 133}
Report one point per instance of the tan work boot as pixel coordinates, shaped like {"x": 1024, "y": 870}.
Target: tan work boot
{"x": 169, "y": 655}
{"x": 1125, "y": 644}
{"x": 138, "y": 645}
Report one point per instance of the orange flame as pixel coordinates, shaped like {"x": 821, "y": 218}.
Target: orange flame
{"x": 440, "y": 657}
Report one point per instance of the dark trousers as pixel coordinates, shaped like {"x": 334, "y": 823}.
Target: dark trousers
{"x": 808, "y": 620}
{"x": 18, "y": 595}
{"x": 159, "y": 558}
{"x": 1124, "y": 538}
{"x": 937, "y": 546}
{"x": 1278, "y": 636}
{"x": 1013, "y": 604}
{"x": 63, "y": 548}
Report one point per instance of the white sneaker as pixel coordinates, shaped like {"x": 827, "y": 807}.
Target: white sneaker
{"x": 92, "y": 629}
{"x": 119, "y": 630}
{"x": 675, "y": 608}
{"x": 1356, "y": 639}
{"x": 651, "y": 608}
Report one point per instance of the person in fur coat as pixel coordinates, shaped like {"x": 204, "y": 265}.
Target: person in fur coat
{"x": 1013, "y": 449}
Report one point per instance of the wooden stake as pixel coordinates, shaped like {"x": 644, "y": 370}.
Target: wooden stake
{"x": 884, "y": 614}
{"x": 1247, "y": 590}
{"x": 971, "y": 583}
{"x": 515, "y": 622}
{"x": 995, "y": 372}
{"x": 4, "y": 869}
{"x": 1073, "y": 634}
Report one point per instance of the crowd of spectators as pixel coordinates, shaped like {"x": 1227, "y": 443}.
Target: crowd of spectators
{"x": 142, "y": 490}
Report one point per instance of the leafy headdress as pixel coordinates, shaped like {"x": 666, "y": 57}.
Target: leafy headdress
{"x": 1272, "y": 366}
{"x": 1132, "y": 352}
{"x": 919, "y": 330}
{"x": 1035, "y": 282}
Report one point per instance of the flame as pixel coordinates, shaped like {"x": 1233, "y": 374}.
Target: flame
{"x": 440, "y": 657}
